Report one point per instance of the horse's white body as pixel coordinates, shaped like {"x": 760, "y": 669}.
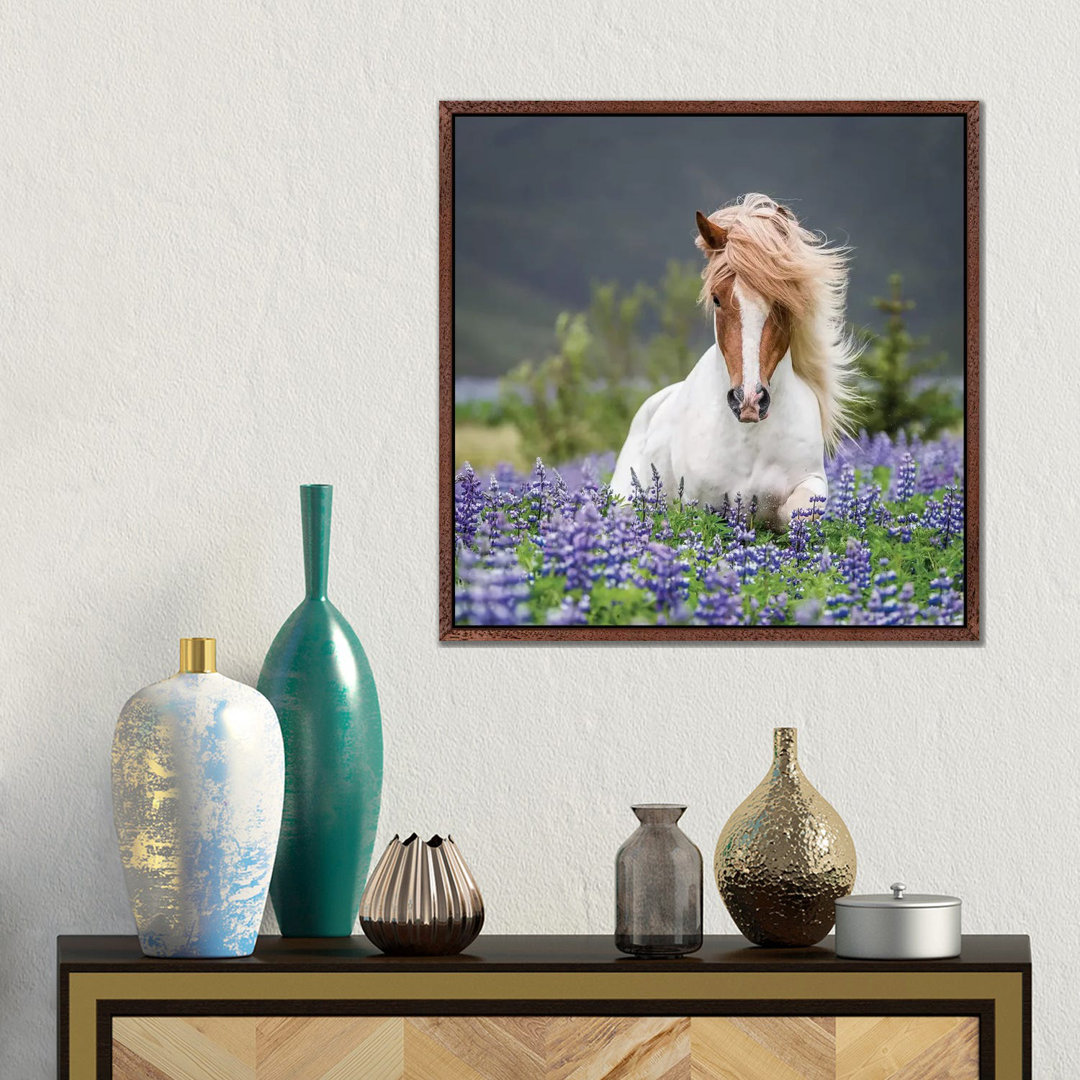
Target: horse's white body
{"x": 688, "y": 432}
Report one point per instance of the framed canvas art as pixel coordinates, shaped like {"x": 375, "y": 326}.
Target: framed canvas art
{"x": 709, "y": 371}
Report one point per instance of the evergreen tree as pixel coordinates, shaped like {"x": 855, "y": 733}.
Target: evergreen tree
{"x": 897, "y": 395}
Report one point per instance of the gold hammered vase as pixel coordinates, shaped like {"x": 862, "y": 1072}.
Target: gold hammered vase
{"x": 784, "y": 856}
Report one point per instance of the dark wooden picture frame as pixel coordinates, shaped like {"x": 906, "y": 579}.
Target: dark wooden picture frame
{"x": 969, "y": 631}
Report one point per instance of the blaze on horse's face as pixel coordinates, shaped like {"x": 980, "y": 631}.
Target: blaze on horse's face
{"x": 751, "y": 334}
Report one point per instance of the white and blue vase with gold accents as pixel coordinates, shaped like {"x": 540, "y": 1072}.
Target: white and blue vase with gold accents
{"x": 198, "y": 779}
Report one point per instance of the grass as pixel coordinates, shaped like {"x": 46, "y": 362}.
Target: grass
{"x": 485, "y": 447}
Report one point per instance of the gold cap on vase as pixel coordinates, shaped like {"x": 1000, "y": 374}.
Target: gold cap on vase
{"x": 198, "y": 655}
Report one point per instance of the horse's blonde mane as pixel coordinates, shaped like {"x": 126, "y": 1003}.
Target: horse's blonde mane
{"x": 797, "y": 270}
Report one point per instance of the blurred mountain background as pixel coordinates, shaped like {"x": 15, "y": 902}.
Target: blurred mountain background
{"x": 548, "y": 207}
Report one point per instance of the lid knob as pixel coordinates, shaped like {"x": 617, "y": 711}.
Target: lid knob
{"x": 898, "y": 890}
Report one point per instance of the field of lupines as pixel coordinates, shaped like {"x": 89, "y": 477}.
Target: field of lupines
{"x": 556, "y": 547}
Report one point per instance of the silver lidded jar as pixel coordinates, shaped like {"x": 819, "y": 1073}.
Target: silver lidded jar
{"x": 658, "y": 886}
{"x": 899, "y": 926}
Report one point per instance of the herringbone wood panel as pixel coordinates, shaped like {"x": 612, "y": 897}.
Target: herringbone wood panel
{"x": 723, "y": 1049}
{"x": 907, "y": 1048}
{"x": 186, "y": 1048}
{"x": 955, "y": 1057}
{"x": 497, "y": 1047}
{"x": 427, "y": 1059}
{"x": 806, "y": 1044}
{"x": 616, "y": 1048}
{"x": 328, "y": 1048}
{"x": 545, "y": 1048}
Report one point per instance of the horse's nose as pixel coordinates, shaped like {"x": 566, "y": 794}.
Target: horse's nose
{"x": 749, "y": 408}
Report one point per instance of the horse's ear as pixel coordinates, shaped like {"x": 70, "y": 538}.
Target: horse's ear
{"x": 713, "y": 237}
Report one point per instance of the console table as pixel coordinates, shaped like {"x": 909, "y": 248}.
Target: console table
{"x": 526, "y": 1008}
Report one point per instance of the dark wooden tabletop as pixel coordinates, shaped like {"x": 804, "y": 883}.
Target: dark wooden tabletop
{"x": 532, "y": 953}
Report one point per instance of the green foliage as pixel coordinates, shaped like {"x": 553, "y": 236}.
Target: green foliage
{"x": 480, "y": 412}
{"x": 893, "y": 401}
{"x": 582, "y": 398}
{"x": 672, "y": 352}
{"x": 551, "y": 403}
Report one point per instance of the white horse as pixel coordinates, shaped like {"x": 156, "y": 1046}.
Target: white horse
{"x": 776, "y": 295}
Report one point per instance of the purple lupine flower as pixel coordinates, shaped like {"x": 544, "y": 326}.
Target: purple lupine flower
{"x": 693, "y": 552}
{"x": 622, "y": 543}
{"x": 560, "y": 493}
{"x": 904, "y": 478}
{"x": 953, "y": 509}
{"x": 584, "y": 475}
{"x": 855, "y": 564}
{"x": 839, "y": 608}
{"x": 661, "y": 573}
{"x": 655, "y": 500}
{"x": 770, "y": 557}
{"x": 540, "y": 488}
{"x": 504, "y": 535}
{"x": 904, "y": 524}
{"x": 494, "y": 496}
{"x": 774, "y": 611}
{"x": 664, "y": 532}
{"x": 507, "y": 475}
{"x": 719, "y": 603}
{"x": 741, "y": 554}
{"x": 945, "y": 518}
{"x": 637, "y": 493}
{"x": 737, "y": 512}
{"x": 492, "y": 591}
{"x": 945, "y": 606}
{"x": 940, "y": 461}
{"x": 887, "y": 604}
{"x": 571, "y": 613}
{"x": 604, "y": 499}
{"x": 570, "y": 547}
{"x": 468, "y": 501}
{"x": 799, "y": 537}
{"x": 863, "y": 506}
{"x": 481, "y": 541}
{"x": 842, "y": 502}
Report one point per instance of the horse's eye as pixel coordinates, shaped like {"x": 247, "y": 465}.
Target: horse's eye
{"x": 716, "y": 301}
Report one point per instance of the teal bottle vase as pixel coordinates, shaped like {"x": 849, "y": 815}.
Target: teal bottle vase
{"x": 320, "y": 684}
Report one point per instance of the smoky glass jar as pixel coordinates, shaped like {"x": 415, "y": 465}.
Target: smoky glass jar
{"x": 658, "y": 886}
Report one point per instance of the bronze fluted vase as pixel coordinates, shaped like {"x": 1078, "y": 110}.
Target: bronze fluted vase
{"x": 784, "y": 856}
{"x": 421, "y": 899}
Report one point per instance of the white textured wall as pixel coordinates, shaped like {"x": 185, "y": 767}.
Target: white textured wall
{"x": 218, "y": 280}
